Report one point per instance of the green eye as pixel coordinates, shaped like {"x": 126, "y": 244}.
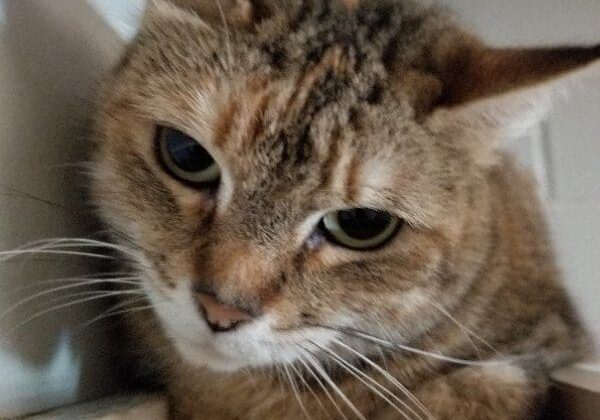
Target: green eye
{"x": 360, "y": 228}
{"x": 185, "y": 159}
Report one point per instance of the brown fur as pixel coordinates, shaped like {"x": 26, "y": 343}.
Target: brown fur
{"x": 309, "y": 106}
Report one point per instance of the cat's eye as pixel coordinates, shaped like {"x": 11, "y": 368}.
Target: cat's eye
{"x": 183, "y": 157}
{"x": 360, "y": 228}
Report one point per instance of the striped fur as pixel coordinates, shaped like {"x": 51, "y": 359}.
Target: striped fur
{"x": 315, "y": 105}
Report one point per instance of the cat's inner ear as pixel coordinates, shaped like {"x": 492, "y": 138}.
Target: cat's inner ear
{"x": 470, "y": 70}
{"x": 493, "y": 92}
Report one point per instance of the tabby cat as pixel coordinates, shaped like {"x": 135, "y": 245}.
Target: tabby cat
{"x": 314, "y": 193}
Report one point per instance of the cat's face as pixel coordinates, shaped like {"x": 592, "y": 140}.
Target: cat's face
{"x": 284, "y": 125}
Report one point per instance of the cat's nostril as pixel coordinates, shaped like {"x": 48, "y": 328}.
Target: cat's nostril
{"x": 220, "y": 317}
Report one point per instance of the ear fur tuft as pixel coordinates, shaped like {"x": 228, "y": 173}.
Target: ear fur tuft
{"x": 236, "y": 13}
{"x": 495, "y": 93}
{"x": 470, "y": 70}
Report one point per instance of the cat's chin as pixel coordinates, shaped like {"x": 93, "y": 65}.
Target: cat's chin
{"x": 234, "y": 353}
{"x": 208, "y": 357}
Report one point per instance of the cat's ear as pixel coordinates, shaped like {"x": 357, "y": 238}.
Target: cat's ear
{"x": 491, "y": 89}
{"x": 236, "y": 13}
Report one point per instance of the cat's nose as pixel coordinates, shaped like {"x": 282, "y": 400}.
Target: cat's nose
{"x": 220, "y": 317}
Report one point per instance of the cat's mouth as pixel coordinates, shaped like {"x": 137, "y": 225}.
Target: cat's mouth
{"x": 253, "y": 344}
{"x": 224, "y": 339}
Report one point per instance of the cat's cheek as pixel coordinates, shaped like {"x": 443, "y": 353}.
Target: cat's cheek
{"x": 177, "y": 312}
{"x": 179, "y": 318}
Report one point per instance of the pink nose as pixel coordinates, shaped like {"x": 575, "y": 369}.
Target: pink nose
{"x": 220, "y": 317}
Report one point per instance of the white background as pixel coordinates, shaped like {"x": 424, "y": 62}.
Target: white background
{"x": 52, "y": 54}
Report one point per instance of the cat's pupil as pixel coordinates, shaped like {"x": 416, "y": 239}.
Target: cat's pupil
{"x": 185, "y": 152}
{"x": 363, "y": 223}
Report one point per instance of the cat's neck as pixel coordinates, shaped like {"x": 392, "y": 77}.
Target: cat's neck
{"x": 272, "y": 393}
{"x": 287, "y": 392}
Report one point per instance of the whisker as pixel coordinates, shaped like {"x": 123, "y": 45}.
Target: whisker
{"x": 463, "y": 327}
{"x": 280, "y": 379}
{"x": 294, "y": 387}
{"x": 64, "y": 246}
{"x": 369, "y": 382}
{"x": 314, "y": 362}
{"x": 107, "y": 276}
{"x": 120, "y": 305}
{"x": 305, "y": 383}
{"x": 116, "y": 313}
{"x": 132, "y": 251}
{"x": 396, "y": 346}
{"x": 7, "y": 255}
{"x": 83, "y": 243}
{"x": 12, "y": 192}
{"x": 323, "y": 387}
{"x": 432, "y": 355}
{"x": 126, "y": 238}
{"x": 82, "y": 283}
{"x": 40, "y": 242}
{"x": 391, "y": 379}
{"x": 66, "y": 305}
{"x": 69, "y": 296}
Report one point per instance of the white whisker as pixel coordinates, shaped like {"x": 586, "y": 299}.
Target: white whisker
{"x": 66, "y": 305}
{"x": 314, "y": 362}
{"x": 280, "y": 379}
{"x": 369, "y": 382}
{"x": 323, "y": 387}
{"x": 108, "y": 277}
{"x": 390, "y": 378}
{"x": 463, "y": 327}
{"x": 437, "y": 356}
{"x": 79, "y": 242}
{"x": 116, "y": 313}
{"x": 295, "y": 390}
{"x": 7, "y": 255}
{"x": 94, "y": 292}
{"x": 120, "y": 305}
{"x": 124, "y": 280}
{"x": 306, "y": 384}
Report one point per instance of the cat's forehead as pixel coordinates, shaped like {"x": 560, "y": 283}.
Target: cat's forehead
{"x": 302, "y": 103}
{"x": 370, "y": 40}
{"x": 316, "y": 61}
